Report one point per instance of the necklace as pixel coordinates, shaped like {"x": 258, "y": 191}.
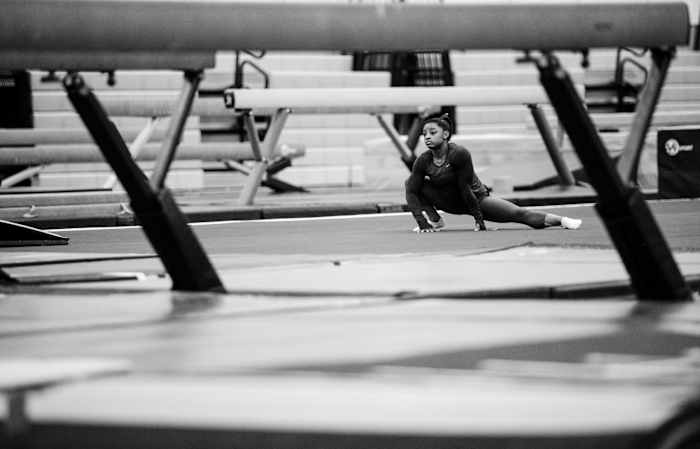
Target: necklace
{"x": 440, "y": 161}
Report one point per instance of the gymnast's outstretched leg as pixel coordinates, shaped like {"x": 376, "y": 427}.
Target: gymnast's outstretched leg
{"x": 503, "y": 211}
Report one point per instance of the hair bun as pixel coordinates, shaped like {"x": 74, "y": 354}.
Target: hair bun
{"x": 448, "y": 120}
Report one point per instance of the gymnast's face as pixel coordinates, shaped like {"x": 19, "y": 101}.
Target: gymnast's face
{"x": 434, "y": 135}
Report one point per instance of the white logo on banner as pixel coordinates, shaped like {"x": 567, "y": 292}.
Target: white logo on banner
{"x": 673, "y": 147}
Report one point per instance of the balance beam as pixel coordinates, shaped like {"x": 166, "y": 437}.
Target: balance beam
{"x": 378, "y": 100}
{"x": 105, "y": 60}
{"x": 72, "y": 153}
{"x": 10, "y": 137}
{"x": 124, "y": 25}
{"x": 367, "y": 100}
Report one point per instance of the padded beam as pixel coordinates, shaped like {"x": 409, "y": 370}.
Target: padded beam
{"x": 158, "y": 105}
{"x": 53, "y": 136}
{"x": 182, "y": 25}
{"x": 106, "y": 60}
{"x": 55, "y": 154}
{"x": 377, "y": 100}
{"x": 370, "y": 100}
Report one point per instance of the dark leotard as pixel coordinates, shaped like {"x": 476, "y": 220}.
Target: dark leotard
{"x": 455, "y": 188}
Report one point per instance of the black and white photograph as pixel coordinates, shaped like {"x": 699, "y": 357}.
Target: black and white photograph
{"x": 349, "y": 224}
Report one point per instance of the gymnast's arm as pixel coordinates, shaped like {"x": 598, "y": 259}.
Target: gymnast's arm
{"x": 414, "y": 184}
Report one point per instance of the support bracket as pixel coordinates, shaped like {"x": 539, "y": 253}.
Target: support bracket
{"x": 566, "y": 178}
{"x": 647, "y": 257}
{"x": 261, "y": 150}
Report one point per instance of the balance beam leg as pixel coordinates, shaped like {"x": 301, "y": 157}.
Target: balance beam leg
{"x": 628, "y": 164}
{"x": 256, "y": 173}
{"x": 162, "y": 221}
{"x": 653, "y": 271}
{"x": 177, "y": 124}
{"x": 566, "y": 178}
{"x": 20, "y": 176}
{"x": 405, "y": 153}
{"x": 135, "y": 148}
{"x": 263, "y": 151}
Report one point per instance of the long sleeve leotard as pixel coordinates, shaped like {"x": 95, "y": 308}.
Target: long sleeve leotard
{"x": 453, "y": 186}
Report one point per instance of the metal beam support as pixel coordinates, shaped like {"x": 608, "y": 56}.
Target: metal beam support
{"x": 566, "y": 178}
{"x": 135, "y": 148}
{"x": 17, "y": 422}
{"x": 262, "y": 151}
{"x": 161, "y": 219}
{"x": 274, "y": 131}
{"x": 253, "y": 136}
{"x": 20, "y": 176}
{"x": 416, "y": 130}
{"x": 653, "y": 271}
{"x": 177, "y": 124}
{"x": 628, "y": 165}
{"x": 405, "y": 152}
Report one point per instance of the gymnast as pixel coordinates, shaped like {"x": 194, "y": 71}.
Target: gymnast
{"x": 444, "y": 179}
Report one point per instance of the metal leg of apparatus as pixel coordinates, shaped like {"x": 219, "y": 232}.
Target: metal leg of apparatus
{"x": 177, "y": 124}
{"x": 405, "y": 152}
{"x": 135, "y": 148}
{"x": 628, "y": 165}
{"x": 20, "y": 176}
{"x": 414, "y": 134}
{"x": 262, "y": 151}
{"x": 17, "y": 422}
{"x": 653, "y": 271}
{"x": 160, "y": 217}
{"x": 270, "y": 181}
{"x": 566, "y": 178}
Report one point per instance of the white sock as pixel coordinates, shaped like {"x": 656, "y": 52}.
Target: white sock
{"x": 570, "y": 223}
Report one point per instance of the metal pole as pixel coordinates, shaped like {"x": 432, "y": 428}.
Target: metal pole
{"x": 414, "y": 133}
{"x": 20, "y": 176}
{"x": 648, "y": 259}
{"x": 135, "y": 148}
{"x": 628, "y": 165}
{"x": 257, "y": 172}
{"x": 262, "y": 152}
{"x": 157, "y": 212}
{"x": 17, "y": 422}
{"x": 174, "y": 132}
{"x": 274, "y": 131}
{"x": 406, "y": 154}
{"x": 566, "y": 178}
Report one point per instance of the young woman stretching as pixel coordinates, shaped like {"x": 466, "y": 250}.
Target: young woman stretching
{"x": 443, "y": 178}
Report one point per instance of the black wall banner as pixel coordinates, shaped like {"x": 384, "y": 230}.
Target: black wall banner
{"x": 678, "y": 160}
{"x": 15, "y": 110}
{"x": 15, "y": 100}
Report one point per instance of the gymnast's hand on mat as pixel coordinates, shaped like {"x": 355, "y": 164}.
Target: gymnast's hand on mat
{"x": 479, "y": 225}
{"x": 424, "y": 228}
